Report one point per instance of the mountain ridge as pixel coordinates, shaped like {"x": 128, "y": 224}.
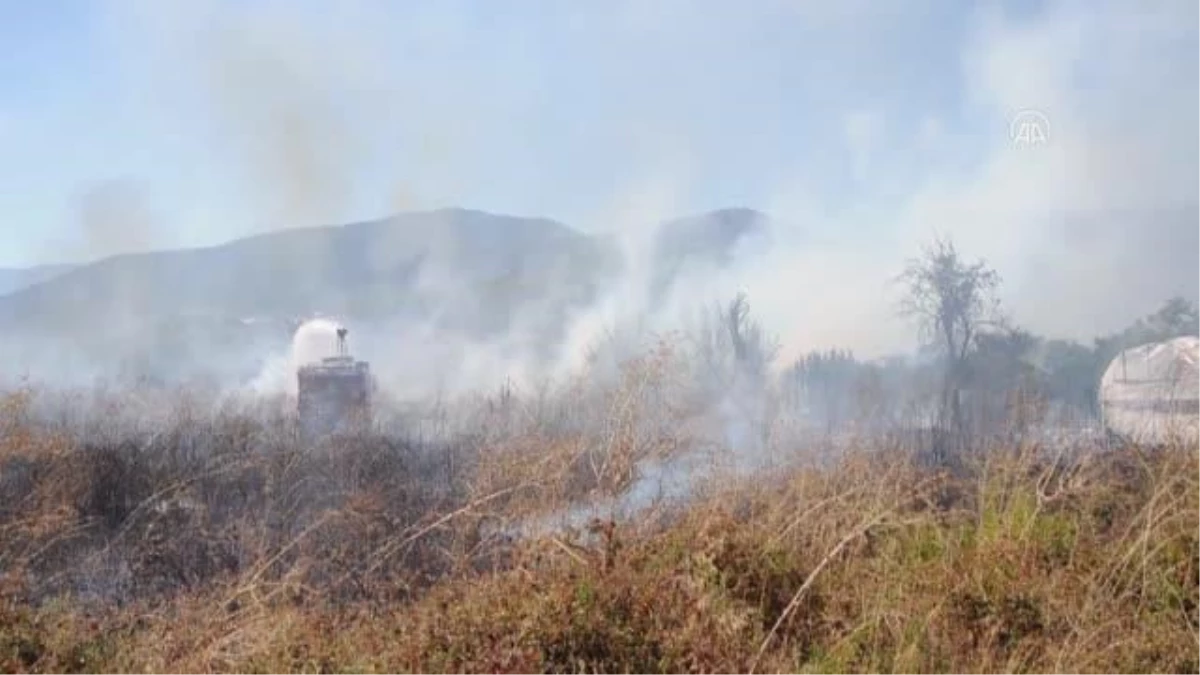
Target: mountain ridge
{"x": 13, "y": 279}
{"x": 462, "y": 271}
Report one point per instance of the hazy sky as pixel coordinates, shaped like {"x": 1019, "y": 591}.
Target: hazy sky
{"x": 864, "y": 125}
{"x": 544, "y": 108}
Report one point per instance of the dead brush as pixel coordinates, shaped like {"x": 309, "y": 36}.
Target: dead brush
{"x": 592, "y": 451}
{"x": 254, "y": 553}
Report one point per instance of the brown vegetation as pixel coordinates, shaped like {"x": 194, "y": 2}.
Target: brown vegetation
{"x": 223, "y": 544}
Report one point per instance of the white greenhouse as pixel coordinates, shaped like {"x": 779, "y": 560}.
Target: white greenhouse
{"x": 1151, "y": 394}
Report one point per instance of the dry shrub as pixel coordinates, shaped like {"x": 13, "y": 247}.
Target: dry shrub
{"x": 221, "y": 544}
{"x": 211, "y": 500}
{"x": 595, "y": 448}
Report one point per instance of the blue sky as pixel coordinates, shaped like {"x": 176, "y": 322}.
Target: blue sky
{"x": 542, "y": 108}
{"x": 866, "y": 125}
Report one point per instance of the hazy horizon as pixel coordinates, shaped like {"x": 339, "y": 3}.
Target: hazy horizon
{"x": 862, "y": 129}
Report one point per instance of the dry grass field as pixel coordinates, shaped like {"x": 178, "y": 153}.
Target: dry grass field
{"x": 220, "y": 542}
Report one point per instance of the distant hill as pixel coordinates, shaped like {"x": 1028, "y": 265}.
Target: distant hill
{"x": 14, "y": 279}
{"x": 466, "y": 271}
{"x": 358, "y": 270}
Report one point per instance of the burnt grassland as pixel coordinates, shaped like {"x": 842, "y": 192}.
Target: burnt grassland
{"x": 221, "y": 542}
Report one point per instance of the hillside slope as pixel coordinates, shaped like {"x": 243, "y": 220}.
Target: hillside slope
{"x": 13, "y": 279}
{"x": 467, "y": 273}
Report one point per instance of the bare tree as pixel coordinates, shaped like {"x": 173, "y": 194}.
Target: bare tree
{"x": 952, "y": 301}
{"x": 733, "y": 356}
{"x": 732, "y": 346}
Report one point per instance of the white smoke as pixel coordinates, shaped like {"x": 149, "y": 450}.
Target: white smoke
{"x": 313, "y": 341}
{"x": 330, "y": 122}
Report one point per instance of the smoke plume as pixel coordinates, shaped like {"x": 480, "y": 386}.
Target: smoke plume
{"x": 861, "y": 132}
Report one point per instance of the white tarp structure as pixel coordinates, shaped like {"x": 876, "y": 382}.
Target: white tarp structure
{"x": 1151, "y": 394}
{"x": 313, "y": 341}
